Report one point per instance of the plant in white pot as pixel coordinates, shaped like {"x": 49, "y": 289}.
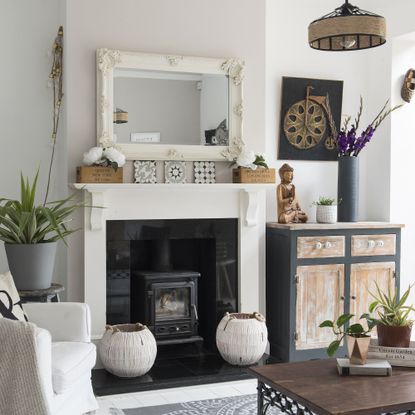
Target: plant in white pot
{"x": 30, "y": 233}
{"x": 326, "y": 210}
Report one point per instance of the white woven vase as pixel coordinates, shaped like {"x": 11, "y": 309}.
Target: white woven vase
{"x": 241, "y": 338}
{"x": 326, "y": 213}
{"x": 127, "y": 350}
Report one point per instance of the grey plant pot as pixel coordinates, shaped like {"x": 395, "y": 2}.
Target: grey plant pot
{"x": 348, "y": 189}
{"x": 31, "y": 265}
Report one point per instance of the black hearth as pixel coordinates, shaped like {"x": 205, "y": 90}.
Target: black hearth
{"x": 141, "y": 250}
{"x": 139, "y": 253}
{"x": 167, "y": 301}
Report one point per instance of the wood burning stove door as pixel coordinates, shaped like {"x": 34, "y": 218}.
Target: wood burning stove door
{"x": 174, "y": 310}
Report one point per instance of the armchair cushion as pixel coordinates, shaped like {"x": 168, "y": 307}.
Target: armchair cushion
{"x": 66, "y": 322}
{"x": 10, "y": 304}
{"x": 70, "y": 362}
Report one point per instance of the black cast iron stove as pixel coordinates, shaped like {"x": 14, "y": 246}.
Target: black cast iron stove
{"x": 167, "y": 303}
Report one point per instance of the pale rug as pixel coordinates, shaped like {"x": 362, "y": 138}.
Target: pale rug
{"x": 235, "y": 405}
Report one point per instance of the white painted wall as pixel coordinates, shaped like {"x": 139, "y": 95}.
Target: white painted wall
{"x": 27, "y": 31}
{"x": 288, "y": 54}
{"x": 402, "y": 196}
{"x": 214, "y": 28}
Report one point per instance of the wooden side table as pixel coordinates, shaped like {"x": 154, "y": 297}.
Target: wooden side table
{"x": 49, "y": 295}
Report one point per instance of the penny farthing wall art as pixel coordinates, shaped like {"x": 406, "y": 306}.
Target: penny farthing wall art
{"x": 310, "y": 119}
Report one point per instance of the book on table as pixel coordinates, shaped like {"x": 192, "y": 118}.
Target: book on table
{"x": 372, "y": 367}
{"x": 396, "y": 356}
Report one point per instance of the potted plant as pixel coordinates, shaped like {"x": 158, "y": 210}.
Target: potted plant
{"x": 30, "y": 233}
{"x": 357, "y": 337}
{"x": 326, "y": 210}
{"x": 30, "y": 230}
{"x": 102, "y": 165}
{"x": 392, "y": 314}
{"x": 252, "y": 168}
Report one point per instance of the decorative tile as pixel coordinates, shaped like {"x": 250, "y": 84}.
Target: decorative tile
{"x": 175, "y": 171}
{"x": 145, "y": 171}
{"x": 204, "y": 172}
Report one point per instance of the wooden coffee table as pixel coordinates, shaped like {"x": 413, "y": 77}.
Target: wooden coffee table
{"x": 315, "y": 387}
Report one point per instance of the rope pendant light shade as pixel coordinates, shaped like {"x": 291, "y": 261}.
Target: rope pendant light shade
{"x": 347, "y": 28}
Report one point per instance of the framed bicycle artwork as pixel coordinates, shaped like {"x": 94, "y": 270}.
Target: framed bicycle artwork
{"x": 310, "y": 119}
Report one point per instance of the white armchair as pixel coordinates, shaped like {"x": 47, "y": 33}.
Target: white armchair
{"x": 65, "y": 355}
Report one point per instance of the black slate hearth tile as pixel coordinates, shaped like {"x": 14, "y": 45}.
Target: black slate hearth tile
{"x": 174, "y": 372}
{"x": 207, "y": 365}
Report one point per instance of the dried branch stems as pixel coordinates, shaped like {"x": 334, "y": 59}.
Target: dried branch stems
{"x": 56, "y": 76}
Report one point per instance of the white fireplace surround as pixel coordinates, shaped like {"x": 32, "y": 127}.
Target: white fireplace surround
{"x": 184, "y": 201}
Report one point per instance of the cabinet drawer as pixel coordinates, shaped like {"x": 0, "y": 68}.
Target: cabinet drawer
{"x": 320, "y": 246}
{"x": 370, "y": 245}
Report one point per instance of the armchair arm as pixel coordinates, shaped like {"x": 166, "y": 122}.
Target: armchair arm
{"x": 64, "y": 321}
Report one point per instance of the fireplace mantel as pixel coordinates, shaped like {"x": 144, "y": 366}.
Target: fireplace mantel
{"x": 245, "y": 202}
{"x": 249, "y": 191}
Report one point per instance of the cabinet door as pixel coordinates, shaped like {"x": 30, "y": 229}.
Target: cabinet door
{"x": 320, "y": 295}
{"x": 362, "y": 280}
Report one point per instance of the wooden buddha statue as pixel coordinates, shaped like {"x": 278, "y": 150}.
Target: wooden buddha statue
{"x": 289, "y": 210}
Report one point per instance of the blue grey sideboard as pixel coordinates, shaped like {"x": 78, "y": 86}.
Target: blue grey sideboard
{"x": 316, "y": 272}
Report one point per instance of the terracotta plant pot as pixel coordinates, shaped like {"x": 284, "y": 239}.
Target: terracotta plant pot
{"x": 357, "y": 349}
{"x": 394, "y": 336}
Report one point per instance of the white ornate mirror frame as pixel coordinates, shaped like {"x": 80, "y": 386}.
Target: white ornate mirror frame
{"x": 109, "y": 59}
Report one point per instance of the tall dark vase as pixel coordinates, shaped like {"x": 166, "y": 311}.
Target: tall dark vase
{"x": 348, "y": 189}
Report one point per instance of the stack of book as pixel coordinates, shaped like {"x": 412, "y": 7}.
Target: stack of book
{"x": 396, "y": 356}
{"x": 372, "y": 367}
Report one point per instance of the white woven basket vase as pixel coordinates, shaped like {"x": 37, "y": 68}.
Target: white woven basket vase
{"x": 127, "y": 350}
{"x": 242, "y": 338}
{"x": 326, "y": 214}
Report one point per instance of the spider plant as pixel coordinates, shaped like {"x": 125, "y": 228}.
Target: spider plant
{"x": 390, "y": 309}
{"x": 24, "y": 222}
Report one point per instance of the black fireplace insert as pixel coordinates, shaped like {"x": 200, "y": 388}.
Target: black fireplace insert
{"x": 176, "y": 276}
{"x": 167, "y": 301}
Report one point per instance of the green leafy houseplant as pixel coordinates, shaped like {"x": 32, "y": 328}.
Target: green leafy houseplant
{"x": 31, "y": 232}
{"x": 24, "y": 222}
{"x": 325, "y": 201}
{"x": 326, "y": 211}
{"x": 341, "y": 329}
{"x": 392, "y": 314}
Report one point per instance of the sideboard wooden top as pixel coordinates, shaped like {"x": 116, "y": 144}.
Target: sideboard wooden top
{"x": 338, "y": 225}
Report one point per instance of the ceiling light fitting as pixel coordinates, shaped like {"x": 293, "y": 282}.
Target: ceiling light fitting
{"x": 347, "y": 28}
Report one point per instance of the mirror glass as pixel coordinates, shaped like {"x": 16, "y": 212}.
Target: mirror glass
{"x": 172, "y": 108}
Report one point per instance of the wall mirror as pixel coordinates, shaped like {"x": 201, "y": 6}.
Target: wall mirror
{"x": 158, "y": 107}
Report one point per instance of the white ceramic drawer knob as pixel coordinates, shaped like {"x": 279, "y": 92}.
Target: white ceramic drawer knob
{"x": 380, "y": 243}
{"x": 371, "y": 243}
{"x": 328, "y": 245}
{"x": 319, "y": 245}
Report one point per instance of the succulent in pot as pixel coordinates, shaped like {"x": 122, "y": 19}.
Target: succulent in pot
{"x": 30, "y": 233}
{"x": 326, "y": 210}
{"x": 394, "y": 325}
{"x": 356, "y": 335}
